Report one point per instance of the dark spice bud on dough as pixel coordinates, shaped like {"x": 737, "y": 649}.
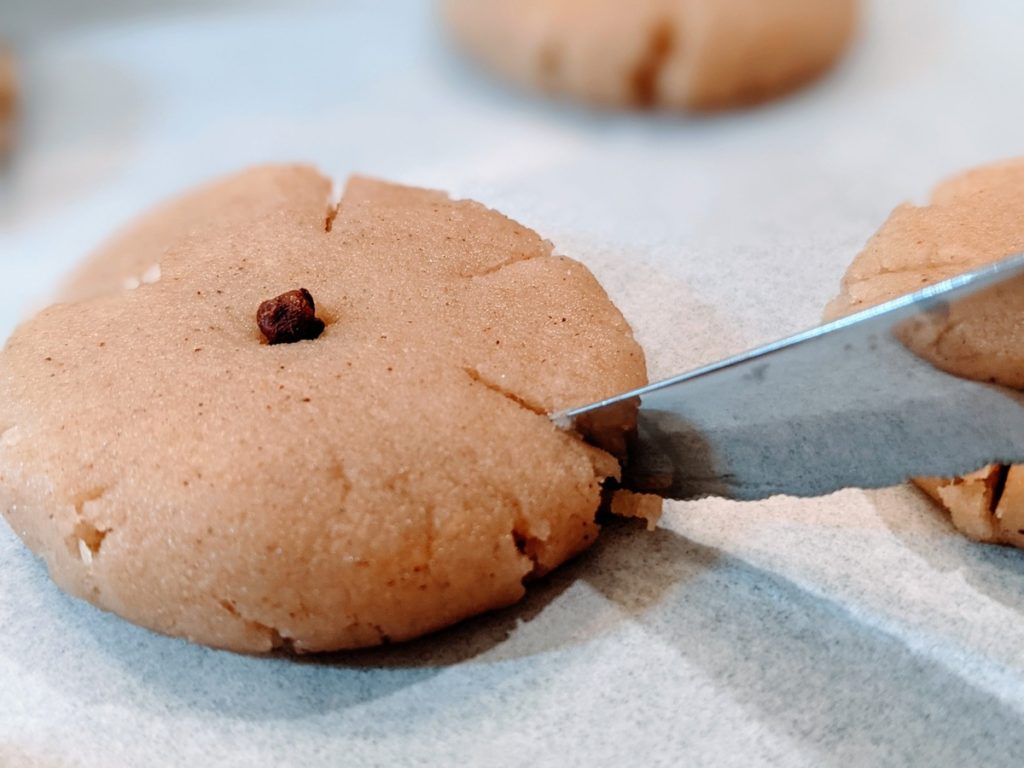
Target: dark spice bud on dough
{"x": 289, "y": 317}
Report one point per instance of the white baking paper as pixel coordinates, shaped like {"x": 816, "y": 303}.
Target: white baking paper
{"x": 853, "y": 630}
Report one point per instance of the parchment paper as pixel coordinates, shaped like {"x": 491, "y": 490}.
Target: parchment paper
{"x": 857, "y": 629}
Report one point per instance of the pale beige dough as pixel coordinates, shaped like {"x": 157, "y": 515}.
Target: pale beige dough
{"x": 973, "y": 219}
{"x": 391, "y": 477}
{"x": 675, "y": 54}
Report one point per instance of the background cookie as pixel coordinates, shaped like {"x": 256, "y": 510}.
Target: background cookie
{"x": 8, "y": 98}
{"x": 973, "y": 219}
{"x": 679, "y": 54}
{"x": 392, "y": 476}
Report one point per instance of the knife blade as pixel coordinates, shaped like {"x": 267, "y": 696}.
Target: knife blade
{"x": 853, "y": 403}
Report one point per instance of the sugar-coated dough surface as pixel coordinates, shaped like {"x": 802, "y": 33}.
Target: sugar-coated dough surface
{"x": 973, "y": 219}
{"x": 681, "y": 54}
{"x": 391, "y": 477}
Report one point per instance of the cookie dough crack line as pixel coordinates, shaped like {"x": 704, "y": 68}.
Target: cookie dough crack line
{"x": 941, "y": 337}
{"x": 522, "y": 402}
{"x": 646, "y": 75}
{"x": 998, "y": 487}
{"x": 476, "y": 377}
{"x": 495, "y": 268}
{"x": 333, "y": 205}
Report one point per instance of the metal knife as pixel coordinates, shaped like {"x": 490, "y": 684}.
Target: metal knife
{"x": 849, "y": 404}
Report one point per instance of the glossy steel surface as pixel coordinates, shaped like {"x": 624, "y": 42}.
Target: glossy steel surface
{"x": 847, "y": 404}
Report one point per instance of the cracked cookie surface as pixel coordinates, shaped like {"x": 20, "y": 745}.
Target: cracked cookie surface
{"x": 388, "y": 478}
{"x": 677, "y": 54}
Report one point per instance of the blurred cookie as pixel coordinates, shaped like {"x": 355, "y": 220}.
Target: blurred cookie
{"x": 8, "y": 99}
{"x": 973, "y": 219}
{"x": 673, "y": 54}
{"x": 384, "y": 469}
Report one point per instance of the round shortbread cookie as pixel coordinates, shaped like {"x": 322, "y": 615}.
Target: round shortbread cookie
{"x": 675, "y": 54}
{"x": 389, "y": 475}
{"x": 973, "y": 219}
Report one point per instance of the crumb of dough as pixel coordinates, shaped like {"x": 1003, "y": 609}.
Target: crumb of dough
{"x": 644, "y": 506}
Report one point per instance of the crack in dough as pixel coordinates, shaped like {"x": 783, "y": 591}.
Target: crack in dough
{"x": 476, "y": 377}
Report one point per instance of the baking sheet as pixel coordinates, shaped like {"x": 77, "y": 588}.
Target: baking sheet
{"x": 856, "y": 629}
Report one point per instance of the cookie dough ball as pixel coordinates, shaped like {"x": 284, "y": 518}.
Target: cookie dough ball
{"x": 973, "y": 219}
{"x": 673, "y": 54}
{"x": 387, "y": 476}
{"x": 8, "y": 99}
